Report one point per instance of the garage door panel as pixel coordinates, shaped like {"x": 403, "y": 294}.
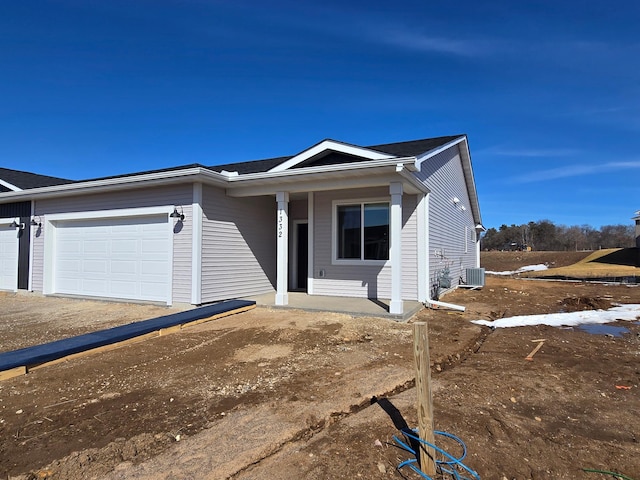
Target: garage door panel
{"x": 152, "y": 246}
{"x": 151, "y": 290}
{"x": 69, "y": 284}
{"x": 95, "y": 247}
{"x": 128, "y": 245}
{"x": 152, "y": 267}
{"x": 122, "y": 288}
{"x": 95, "y": 267}
{"x": 123, "y": 267}
{"x": 8, "y": 258}
{"x": 69, "y": 266}
{"x": 96, "y": 287}
{"x": 69, "y": 247}
{"x": 125, "y": 258}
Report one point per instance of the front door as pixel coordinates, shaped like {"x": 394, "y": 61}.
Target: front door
{"x": 302, "y": 255}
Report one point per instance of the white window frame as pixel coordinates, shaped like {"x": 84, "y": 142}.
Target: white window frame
{"x": 334, "y": 232}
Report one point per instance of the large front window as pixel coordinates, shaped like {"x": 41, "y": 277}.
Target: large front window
{"x": 363, "y": 231}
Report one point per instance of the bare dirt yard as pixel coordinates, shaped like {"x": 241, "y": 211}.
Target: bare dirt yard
{"x": 279, "y": 394}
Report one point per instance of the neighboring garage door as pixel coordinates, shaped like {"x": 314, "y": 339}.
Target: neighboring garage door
{"x": 8, "y": 258}
{"x": 124, "y": 258}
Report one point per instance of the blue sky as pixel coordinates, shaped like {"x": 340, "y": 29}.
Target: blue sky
{"x": 548, "y": 92}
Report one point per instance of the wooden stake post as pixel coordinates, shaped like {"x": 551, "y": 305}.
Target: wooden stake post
{"x": 423, "y": 388}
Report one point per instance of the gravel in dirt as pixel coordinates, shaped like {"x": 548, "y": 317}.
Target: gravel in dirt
{"x": 287, "y": 394}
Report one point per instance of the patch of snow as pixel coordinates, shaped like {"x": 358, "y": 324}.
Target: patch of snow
{"x": 621, "y": 312}
{"x": 528, "y": 268}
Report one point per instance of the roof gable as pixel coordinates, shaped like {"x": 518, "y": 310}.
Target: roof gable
{"x": 327, "y": 146}
{"x": 329, "y": 157}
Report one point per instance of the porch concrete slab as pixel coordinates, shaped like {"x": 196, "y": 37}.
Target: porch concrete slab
{"x": 357, "y": 307}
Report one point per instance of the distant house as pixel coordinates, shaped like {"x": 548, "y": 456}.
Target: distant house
{"x": 383, "y": 221}
{"x": 637, "y": 220}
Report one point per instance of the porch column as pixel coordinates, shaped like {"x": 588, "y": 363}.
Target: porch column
{"x": 282, "y": 241}
{"x": 395, "y": 248}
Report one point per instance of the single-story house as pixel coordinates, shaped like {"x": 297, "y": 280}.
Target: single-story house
{"x": 396, "y": 221}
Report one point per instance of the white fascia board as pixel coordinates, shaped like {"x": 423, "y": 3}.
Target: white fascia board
{"x": 10, "y": 186}
{"x": 471, "y": 183}
{"x": 131, "y": 181}
{"x": 333, "y": 146}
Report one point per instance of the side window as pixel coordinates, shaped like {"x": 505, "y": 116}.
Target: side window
{"x": 362, "y": 231}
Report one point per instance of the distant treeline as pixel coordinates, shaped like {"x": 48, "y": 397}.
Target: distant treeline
{"x": 545, "y": 235}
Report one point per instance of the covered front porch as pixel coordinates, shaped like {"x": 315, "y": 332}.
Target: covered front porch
{"x": 350, "y": 222}
{"x": 357, "y": 307}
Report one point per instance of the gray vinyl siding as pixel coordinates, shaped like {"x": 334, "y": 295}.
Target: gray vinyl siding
{"x": 180, "y": 195}
{"x": 448, "y": 222}
{"x": 298, "y": 210}
{"x": 364, "y": 281}
{"x": 238, "y": 245}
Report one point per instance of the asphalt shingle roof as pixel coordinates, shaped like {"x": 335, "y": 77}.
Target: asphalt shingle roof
{"x": 399, "y": 149}
{"x": 25, "y": 180}
{"x": 254, "y": 166}
{"x": 414, "y": 147}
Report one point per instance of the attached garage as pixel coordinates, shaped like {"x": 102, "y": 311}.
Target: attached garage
{"x": 125, "y": 257}
{"x": 9, "y": 244}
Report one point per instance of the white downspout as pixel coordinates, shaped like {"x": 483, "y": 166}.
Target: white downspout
{"x": 430, "y": 302}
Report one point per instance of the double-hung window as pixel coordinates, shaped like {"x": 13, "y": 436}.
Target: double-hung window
{"x": 362, "y": 231}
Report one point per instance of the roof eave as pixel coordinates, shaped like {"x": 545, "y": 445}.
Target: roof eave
{"x": 351, "y": 175}
{"x": 120, "y": 183}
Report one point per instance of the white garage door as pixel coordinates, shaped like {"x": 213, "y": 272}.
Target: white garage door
{"x": 127, "y": 258}
{"x": 8, "y": 258}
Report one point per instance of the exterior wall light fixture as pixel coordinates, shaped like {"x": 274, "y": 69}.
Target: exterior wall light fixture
{"x": 175, "y": 213}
